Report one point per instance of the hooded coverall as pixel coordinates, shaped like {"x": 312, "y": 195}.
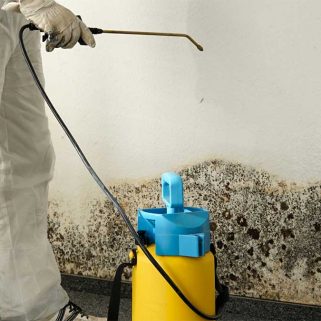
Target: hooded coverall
{"x": 29, "y": 277}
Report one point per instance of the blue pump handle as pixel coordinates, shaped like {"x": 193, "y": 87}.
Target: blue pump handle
{"x": 172, "y": 193}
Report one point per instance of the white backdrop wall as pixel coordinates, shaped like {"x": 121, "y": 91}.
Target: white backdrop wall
{"x": 140, "y": 106}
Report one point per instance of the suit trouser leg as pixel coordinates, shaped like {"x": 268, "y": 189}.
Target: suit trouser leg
{"x": 29, "y": 276}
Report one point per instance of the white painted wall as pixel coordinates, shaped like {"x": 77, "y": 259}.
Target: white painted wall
{"x": 140, "y": 106}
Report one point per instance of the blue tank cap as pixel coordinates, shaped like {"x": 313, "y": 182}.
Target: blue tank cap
{"x": 176, "y": 230}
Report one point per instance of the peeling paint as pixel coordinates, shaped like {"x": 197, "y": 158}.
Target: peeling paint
{"x": 267, "y": 231}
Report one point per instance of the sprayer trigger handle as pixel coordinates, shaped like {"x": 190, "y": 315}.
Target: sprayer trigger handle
{"x": 81, "y": 41}
{"x": 46, "y": 35}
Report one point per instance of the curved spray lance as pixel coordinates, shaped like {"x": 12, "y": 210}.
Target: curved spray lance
{"x": 161, "y": 34}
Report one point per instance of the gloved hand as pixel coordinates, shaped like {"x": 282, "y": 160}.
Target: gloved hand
{"x": 63, "y": 27}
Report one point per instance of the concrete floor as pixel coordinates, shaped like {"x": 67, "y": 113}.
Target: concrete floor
{"x": 238, "y": 309}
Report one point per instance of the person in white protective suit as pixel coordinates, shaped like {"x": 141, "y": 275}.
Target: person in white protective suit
{"x": 29, "y": 277}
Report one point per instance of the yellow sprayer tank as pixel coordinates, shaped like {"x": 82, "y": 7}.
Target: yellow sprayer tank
{"x": 154, "y": 300}
{"x": 179, "y": 239}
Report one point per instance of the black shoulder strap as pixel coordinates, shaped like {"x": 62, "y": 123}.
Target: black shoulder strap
{"x": 221, "y": 289}
{"x": 114, "y": 301}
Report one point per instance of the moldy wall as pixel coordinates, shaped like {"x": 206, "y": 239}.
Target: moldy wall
{"x": 267, "y": 232}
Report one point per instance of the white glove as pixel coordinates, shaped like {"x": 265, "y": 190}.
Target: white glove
{"x": 62, "y": 26}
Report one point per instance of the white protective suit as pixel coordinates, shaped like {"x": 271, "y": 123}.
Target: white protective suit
{"x": 29, "y": 277}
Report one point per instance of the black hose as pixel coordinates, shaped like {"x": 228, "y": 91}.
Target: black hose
{"x": 102, "y": 185}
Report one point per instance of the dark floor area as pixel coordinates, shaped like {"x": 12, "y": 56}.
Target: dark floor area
{"x": 89, "y": 294}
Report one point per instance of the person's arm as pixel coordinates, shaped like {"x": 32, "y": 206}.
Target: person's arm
{"x": 63, "y": 27}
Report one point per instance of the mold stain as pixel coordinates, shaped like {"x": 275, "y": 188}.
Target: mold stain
{"x": 267, "y": 232}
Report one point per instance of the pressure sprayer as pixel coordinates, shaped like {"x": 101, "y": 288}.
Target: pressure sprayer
{"x": 174, "y": 267}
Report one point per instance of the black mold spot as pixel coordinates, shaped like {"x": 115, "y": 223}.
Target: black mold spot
{"x": 265, "y": 248}
{"x": 291, "y": 216}
{"x": 219, "y": 244}
{"x": 250, "y": 251}
{"x": 230, "y": 236}
{"x": 254, "y": 233}
{"x": 254, "y": 273}
{"x": 227, "y": 214}
{"x": 233, "y": 277}
{"x": 283, "y": 247}
{"x": 227, "y": 186}
{"x": 226, "y": 197}
{"x": 317, "y": 227}
{"x": 287, "y": 232}
{"x": 241, "y": 221}
{"x": 137, "y": 190}
{"x": 213, "y": 226}
{"x": 284, "y": 206}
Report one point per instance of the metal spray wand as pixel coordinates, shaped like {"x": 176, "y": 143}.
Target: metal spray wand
{"x": 143, "y": 33}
